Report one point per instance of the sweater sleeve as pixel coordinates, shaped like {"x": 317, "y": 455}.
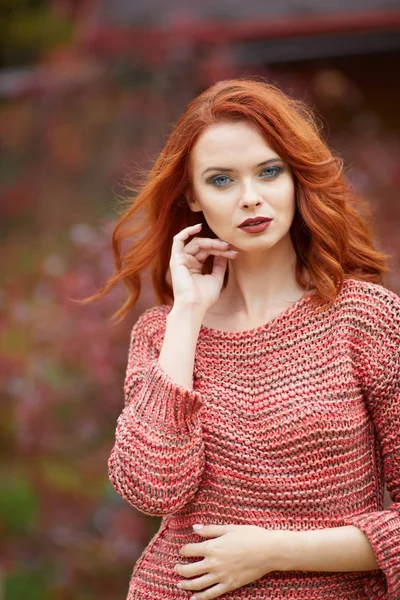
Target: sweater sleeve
{"x": 157, "y": 460}
{"x": 379, "y": 370}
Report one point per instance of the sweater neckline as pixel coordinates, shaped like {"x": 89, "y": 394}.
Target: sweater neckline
{"x": 283, "y": 316}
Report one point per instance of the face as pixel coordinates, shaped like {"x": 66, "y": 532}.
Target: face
{"x": 237, "y": 175}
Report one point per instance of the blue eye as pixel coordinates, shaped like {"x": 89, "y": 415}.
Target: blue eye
{"x": 213, "y": 180}
{"x": 275, "y": 169}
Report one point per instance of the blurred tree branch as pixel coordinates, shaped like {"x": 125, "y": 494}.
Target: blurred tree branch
{"x": 28, "y": 29}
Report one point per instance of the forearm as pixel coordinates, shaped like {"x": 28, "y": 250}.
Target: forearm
{"x": 179, "y": 345}
{"x": 337, "y": 549}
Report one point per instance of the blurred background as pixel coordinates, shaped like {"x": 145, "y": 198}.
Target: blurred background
{"x": 89, "y": 90}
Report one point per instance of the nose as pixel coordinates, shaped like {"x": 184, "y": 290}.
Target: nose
{"x": 250, "y": 197}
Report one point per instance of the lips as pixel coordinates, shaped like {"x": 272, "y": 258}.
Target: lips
{"x": 255, "y": 221}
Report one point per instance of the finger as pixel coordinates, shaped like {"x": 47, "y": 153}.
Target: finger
{"x": 197, "y": 584}
{"x": 214, "y": 530}
{"x": 190, "y": 262}
{"x": 192, "y": 569}
{"x": 218, "y": 271}
{"x": 178, "y": 241}
{"x": 203, "y": 254}
{"x": 214, "y": 592}
{"x": 199, "y": 243}
{"x": 198, "y": 549}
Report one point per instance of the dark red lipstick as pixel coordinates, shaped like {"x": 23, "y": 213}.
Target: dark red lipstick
{"x": 255, "y": 224}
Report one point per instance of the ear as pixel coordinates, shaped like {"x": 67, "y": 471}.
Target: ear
{"x": 192, "y": 202}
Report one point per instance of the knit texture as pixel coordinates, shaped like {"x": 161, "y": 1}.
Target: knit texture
{"x": 291, "y": 425}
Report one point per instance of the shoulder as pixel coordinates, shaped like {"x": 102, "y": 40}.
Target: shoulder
{"x": 372, "y": 324}
{"x": 371, "y": 302}
{"x": 371, "y": 315}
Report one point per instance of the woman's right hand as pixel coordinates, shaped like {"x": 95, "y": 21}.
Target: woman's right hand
{"x": 189, "y": 285}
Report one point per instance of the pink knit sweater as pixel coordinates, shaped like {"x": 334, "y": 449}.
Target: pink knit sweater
{"x": 294, "y": 424}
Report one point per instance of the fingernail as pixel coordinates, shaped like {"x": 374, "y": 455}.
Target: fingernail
{"x": 197, "y": 526}
{"x": 233, "y": 251}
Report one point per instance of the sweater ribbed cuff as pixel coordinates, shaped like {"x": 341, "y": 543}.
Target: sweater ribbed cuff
{"x": 164, "y": 404}
{"x": 382, "y": 528}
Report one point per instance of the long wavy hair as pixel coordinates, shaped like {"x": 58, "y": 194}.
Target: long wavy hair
{"x": 332, "y": 227}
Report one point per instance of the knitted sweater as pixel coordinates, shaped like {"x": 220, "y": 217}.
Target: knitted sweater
{"x": 293, "y": 425}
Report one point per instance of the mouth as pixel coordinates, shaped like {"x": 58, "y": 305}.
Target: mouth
{"x": 255, "y": 221}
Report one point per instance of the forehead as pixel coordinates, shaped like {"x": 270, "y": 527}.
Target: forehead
{"x": 230, "y": 141}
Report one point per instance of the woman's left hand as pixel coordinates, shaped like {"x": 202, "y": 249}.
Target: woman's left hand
{"x": 239, "y": 554}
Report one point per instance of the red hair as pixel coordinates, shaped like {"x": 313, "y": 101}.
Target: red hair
{"x": 331, "y": 237}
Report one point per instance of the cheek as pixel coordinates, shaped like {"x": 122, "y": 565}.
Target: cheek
{"x": 205, "y": 197}
{"x": 285, "y": 198}
{"x": 287, "y": 187}
{"x": 213, "y": 207}
{"x": 216, "y": 219}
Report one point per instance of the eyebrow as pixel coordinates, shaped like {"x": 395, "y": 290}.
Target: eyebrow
{"x": 265, "y": 162}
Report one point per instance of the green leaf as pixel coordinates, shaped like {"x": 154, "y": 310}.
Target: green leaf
{"x": 18, "y": 503}
{"x": 25, "y": 584}
{"x": 66, "y": 478}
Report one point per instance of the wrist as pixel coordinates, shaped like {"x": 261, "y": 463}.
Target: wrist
{"x": 283, "y": 545}
{"x": 181, "y": 310}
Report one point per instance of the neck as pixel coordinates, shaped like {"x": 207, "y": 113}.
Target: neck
{"x": 257, "y": 282}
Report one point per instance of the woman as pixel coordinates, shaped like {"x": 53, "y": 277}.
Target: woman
{"x": 262, "y": 392}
